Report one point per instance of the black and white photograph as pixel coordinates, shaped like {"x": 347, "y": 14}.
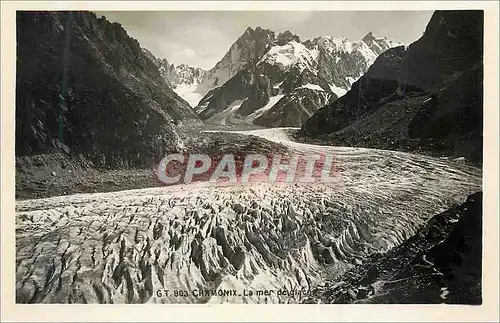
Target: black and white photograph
{"x": 249, "y": 157}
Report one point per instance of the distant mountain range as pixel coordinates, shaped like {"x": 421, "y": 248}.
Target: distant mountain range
{"x": 274, "y": 79}
{"x": 291, "y": 80}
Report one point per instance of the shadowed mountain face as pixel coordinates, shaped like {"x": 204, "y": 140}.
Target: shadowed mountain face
{"x": 427, "y": 98}
{"x": 85, "y": 87}
{"x": 452, "y": 43}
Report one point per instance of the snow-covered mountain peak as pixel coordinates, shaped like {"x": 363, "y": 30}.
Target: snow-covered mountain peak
{"x": 305, "y": 55}
{"x": 183, "y": 79}
{"x": 371, "y": 46}
{"x": 291, "y": 54}
{"x": 188, "y": 75}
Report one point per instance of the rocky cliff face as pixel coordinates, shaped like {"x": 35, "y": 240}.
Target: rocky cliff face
{"x": 452, "y": 43}
{"x": 291, "y": 80}
{"x": 85, "y": 87}
{"x": 249, "y": 46}
{"x": 427, "y": 98}
{"x": 181, "y": 75}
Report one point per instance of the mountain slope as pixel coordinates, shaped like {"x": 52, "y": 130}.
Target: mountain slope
{"x": 85, "y": 87}
{"x": 365, "y": 95}
{"x": 165, "y": 68}
{"x": 427, "y": 98}
{"x": 291, "y": 80}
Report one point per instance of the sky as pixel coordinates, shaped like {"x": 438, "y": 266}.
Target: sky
{"x": 201, "y": 38}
